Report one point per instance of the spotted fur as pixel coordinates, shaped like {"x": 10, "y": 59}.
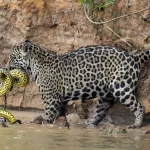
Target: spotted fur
{"x": 100, "y": 72}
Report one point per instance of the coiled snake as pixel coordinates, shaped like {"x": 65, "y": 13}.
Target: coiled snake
{"x": 8, "y": 80}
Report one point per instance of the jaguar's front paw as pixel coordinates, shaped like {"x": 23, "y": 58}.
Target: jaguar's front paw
{"x": 89, "y": 123}
{"x": 133, "y": 126}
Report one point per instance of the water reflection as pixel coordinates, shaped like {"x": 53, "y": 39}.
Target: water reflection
{"x": 27, "y": 137}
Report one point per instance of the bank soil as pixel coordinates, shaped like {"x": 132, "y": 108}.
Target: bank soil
{"x": 115, "y": 122}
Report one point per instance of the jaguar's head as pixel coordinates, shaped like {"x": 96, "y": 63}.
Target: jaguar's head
{"x": 20, "y": 56}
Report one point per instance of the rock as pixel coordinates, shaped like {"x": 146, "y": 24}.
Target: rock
{"x": 3, "y": 123}
{"x": 51, "y": 125}
{"x": 27, "y": 28}
{"x": 73, "y": 118}
{"x": 29, "y": 15}
{"x": 28, "y": 22}
{"x": 147, "y": 132}
{"x": 37, "y": 120}
{"x": 146, "y": 18}
{"x": 123, "y": 130}
{"x": 115, "y": 130}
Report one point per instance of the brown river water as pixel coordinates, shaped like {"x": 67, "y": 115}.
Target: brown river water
{"x": 39, "y": 137}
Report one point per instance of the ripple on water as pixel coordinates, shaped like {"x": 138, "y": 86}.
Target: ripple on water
{"x": 44, "y": 138}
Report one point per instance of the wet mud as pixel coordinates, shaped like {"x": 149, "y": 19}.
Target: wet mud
{"x": 115, "y": 122}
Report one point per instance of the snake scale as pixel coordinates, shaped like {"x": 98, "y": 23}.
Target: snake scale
{"x": 8, "y": 80}
{"x": 12, "y": 78}
{"x": 7, "y": 115}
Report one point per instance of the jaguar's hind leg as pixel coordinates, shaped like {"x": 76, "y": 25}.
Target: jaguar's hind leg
{"x": 101, "y": 110}
{"x": 129, "y": 100}
{"x": 134, "y": 107}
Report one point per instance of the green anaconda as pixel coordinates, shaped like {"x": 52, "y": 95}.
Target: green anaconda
{"x": 10, "y": 79}
{"x": 7, "y": 115}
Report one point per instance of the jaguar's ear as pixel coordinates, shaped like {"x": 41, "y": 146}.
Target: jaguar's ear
{"x": 25, "y": 48}
{"x": 27, "y": 41}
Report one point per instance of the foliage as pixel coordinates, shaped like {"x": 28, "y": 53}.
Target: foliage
{"x": 95, "y": 5}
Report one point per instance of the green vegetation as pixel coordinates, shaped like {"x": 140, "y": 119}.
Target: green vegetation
{"x": 98, "y": 6}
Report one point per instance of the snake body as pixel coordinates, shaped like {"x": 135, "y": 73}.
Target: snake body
{"x": 7, "y": 115}
{"x": 20, "y": 78}
{"x": 13, "y": 78}
{"x": 8, "y": 80}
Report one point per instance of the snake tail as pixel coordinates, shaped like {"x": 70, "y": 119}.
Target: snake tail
{"x": 7, "y": 115}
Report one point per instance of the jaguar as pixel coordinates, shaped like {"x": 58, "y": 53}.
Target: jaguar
{"x": 95, "y": 71}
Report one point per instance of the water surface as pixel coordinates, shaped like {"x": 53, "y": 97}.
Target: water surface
{"x": 38, "y": 137}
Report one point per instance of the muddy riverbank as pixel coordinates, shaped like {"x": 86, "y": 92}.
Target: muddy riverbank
{"x": 112, "y": 124}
